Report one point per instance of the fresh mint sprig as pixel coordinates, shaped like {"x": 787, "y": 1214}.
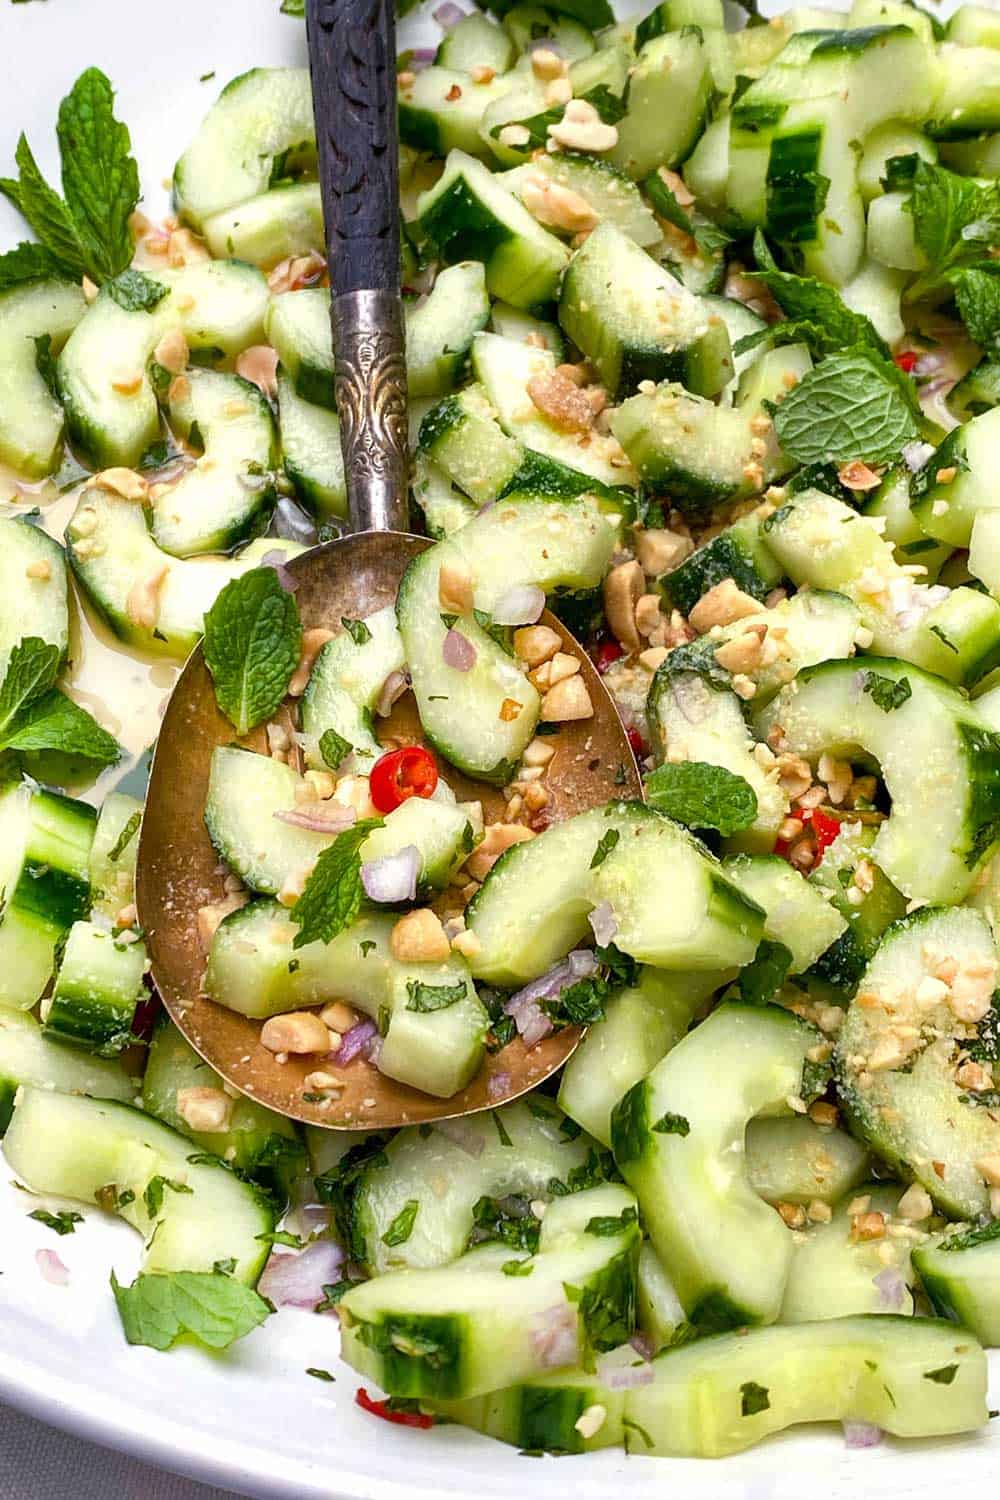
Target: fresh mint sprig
{"x": 253, "y": 640}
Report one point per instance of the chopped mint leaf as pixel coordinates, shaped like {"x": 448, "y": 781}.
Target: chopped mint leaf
{"x": 45, "y": 363}
{"x": 449, "y": 621}
{"x": 225, "y": 1267}
{"x": 671, "y": 1124}
{"x": 333, "y": 1293}
{"x": 155, "y": 1188}
{"x": 293, "y": 7}
{"x": 956, "y": 221}
{"x": 500, "y": 1035}
{"x": 135, "y": 292}
{"x": 853, "y": 405}
{"x": 977, "y": 297}
{"x": 334, "y": 748}
{"x": 206, "y": 77}
{"x": 517, "y": 1267}
{"x": 700, "y": 795}
{"x": 606, "y": 1225}
{"x": 817, "y": 314}
{"x": 428, "y": 997}
{"x": 510, "y": 1221}
{"x": 569, "y": 1129}
{"x": 944, "y": 1376}
{"x": 27, "y": 262}
{"x": 55, "y": 722}
{"x": 498, "y": 633}
{"x": 764, "y": 975}
{"x": 605, "y": 844}
{"x": 755, "y": 1398}
{"x": 502, "y": 1130}
{"x": 366, "y": 945}
{"x": 253, "y": 638}
{"x": 887, "y": 693}
{"x": 128, "y": 833}
{"x": 401, "y": 1228}
{"x": 41, "y": 206}
{"x": 627, "y": 1422}
{"x": 64, "y": 1222}
{"x": 318, "y": 1374}
{"x": 579, "y": 1004}
{"x": 332, "y": 896}
{"x": 99, "y": 174}
{"x": 357, "y": 630}
{"x": 32, "y": 669}
{"x": 212, "y": 1307}
{"x": 282, "y": 1237}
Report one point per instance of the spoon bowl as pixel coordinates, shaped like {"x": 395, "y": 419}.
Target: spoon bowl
{"x": 179, "y": 871}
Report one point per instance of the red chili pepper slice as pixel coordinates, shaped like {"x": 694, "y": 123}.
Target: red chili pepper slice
{"x": 825, "y": 829}
{"x": 410, "y": 772}
{"x": 606, "y": 653}
{"x": 639, "y": 746}
{"x": 380, "y": 1409}
{"x": 907, "y": 359}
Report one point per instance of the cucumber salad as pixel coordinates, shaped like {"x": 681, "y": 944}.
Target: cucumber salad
{"x": 703, "y": 353}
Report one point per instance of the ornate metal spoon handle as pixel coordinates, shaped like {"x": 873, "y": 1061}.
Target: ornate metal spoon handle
{"x": 352, "y": 59}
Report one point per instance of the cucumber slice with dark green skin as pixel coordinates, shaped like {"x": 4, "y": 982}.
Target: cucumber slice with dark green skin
{"x": 896, "y": 1057}
{"x": 670, "y": 94}
{"x": 960, "y": 1272}
{"x": 635, "y": 322}
{"x": 254, "y": 969}
{"x": 569, "y": 21}
{"x": 462, "y": 436}
{"x": 977, "y": 392}
{"x": 739, "y": 553}
{"x": 31, "y": 425}
{"x": 229, "y": 495}
{"x": 344, "y": 687}
{"x": 46, "y": 843}
{"x": 95, "y": 1150}
{"x": 798, "y": 913}
{"x": 672, "y": 15}
{"x": 836, "y": 1274}
{"x": 542, "y": 1415}
{"x": 534, "y": 904}
{"x": 974, "y": 26}
{"x": 113, "y": 855}
{"x": 298, "y": 326}
{"x": 527, "y": 1150}
{"x": 902, "y": 529}
{"x": 310, "y": 446}
{"x": 260, "y": 127}
{"x": 252, "y": 1138}
{"x": 968, "y": 455}
{"x": 812, "y": 626}
{"x": 33, "y": 589}
{"x": 609, "y": 192}
{"x": 793, "y": 1160}
{"x": 661, "y": 1315}
{"x": 939, "y": 761}
{"x": 844, "y": 962}
{"x": 285, "y": 221}
{"x": 467, "y": 1328}
{"x": 673, "y": 1137}
{"x": 97, "y": 988}
{"x": 913, "y": 1377}
{"x": 434, "y": 118}
{"x": 476, "y": 42}
{"x": 439, "y": 332}
{"x": 515, "y": 323}
{"x": 29, "y": 1059}
{"x": 639, "y": 1027}
{"x": 968, "y": 98}
{"x": 469, "y": 215}
{"x": 444, "y": 506}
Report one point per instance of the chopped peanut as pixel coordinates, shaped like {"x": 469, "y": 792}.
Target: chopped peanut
{"x": 623, "y": 588}
{"x": 295, "y": 272}
{"x": 648, "y": 617}
{"x": 858, "y": 476}
{"x": 124, "y": 482}
{"x": 510, "y": 708}
{"x": 206, "y": 1110}
{"x": 546, "y": 64}
{"x": 419, "y": 937}
{"x": 989, "y": 1168}
{"x": 793, "y": 1214}
{"x": 172, "y": 351}
{"x": 534, "y": 644}
{"x": 561, "y": 402}
{"x": 339, "y": 1017}
{"x": 455, "y": 587}
{"x": 482, "y": 73}
{"x": 40, "y": 570}
{"x": 538, "y": 753}
{"x": 313, "y": 642}
{"x": 497, "y": 838}
{"x": 582, "y": 129}
{"x": 128, "y": 383}
{"x": 743, "y": 652}
{"x": 210, "y": 916}
{"x": 355, "y": 791}
{"x": 299, "y": 1031}
{"x": 721, "y": 605}
{"x": 259, "y": 365}
{"x": 822, "y": 1113}
{"x": 972, "y": 1075}
{"x": 972, "y": 989}
{"x": 660, "y": 550}
{"x": 654, "y": 657}
{"x": 466, "y": 943}
{"x": 915, "y": 1204}
{"x": 142, "y": 606}
{"x": 563, "y": 665}
{"x": 557, "y": 206}
{"x": 185, "y": 249}
{"x": 868, "y": 1226}
{"x": 569, "y": 699}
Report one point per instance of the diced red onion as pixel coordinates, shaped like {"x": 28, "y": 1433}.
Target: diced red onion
{"x": 916, "y": 454}
{"x": 642, "y": 1345}
{"x": 355, "y": 1041}
{"x": 545, "y": 43}
{"x": 292, "y": 523}
{"x": 448, "y": 14}
{"x": 555, "y": 1338}
{"x": 421, "y": 58}
{"x": 277, "y": 560}
{"x": 497, "y": 1086}
{"x": 392, "y": 877}
{"x": 373, "y": 1050}
{"x": 296, "y": 1278}
{"x": 519, "y": 606}
{"x": 461, "y": 1134}
{"x": 861, "y": 1435}
{"x": 891, "y": 1289}
{"x": 339, "y": 817}
{"x": 931, "y": 362}
{"x": 582, "y": 963}
{"x": 458, "y": 651}
{"x": 603, "y": 924}
{"x": 52, "y": 1267}
{"x": 693, "y": 697}
{"x": 395, "y": 685}
{"x": 625, "y": 1377}
{"x": 531, "y": 1021}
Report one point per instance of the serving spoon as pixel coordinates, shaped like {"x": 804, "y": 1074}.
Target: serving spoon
{"x": 352, "y": 61}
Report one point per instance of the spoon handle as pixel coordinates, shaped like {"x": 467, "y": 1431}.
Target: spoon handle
{"x": 352, "y": 60}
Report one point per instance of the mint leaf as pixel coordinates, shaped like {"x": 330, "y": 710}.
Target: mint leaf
{"x": 64, "y": 1222}
{"x": 605, "y": 844}
{"x": 99, "y": 176}
{"x": 700, "y": 795}
{"x": 608, "y": 105}
{"x": 671, "y": 1124}
{"x": 429, "y": 997}
{"x": 754, "y": 1398}
{"x": 55, "y": 722}
{"x": 517, "y": 1267}
{"x": 852, "y": 406}
{"x": 333, "y": 893}
{"x": 45, "y": 363}
{"x": 606, "y": 1225}
{"x": 47, "y": 214}
{"x": 887, "y": 693}
{"x": 818, "y": 314}
{"x": 136, "y": 292}
{"x": 944, "y": 1376}
{"x": 28, "y": 262}
{"x": 253, "y": 638}
{"x": 155, "y": 1189}
{"x": 977, "y": 297}
{"x": 32, "y": 669}
{"x": 579, "y": 1004}
{"x": 401, "y": 1228}
{"x": 357, "y": 630}
{"x": 764, "y": 975}
{"x": 212, "y": 1307}
{"x": 128, "y": 833}
{"x": 334, "y": 748}
{"x": 955, "y": 222}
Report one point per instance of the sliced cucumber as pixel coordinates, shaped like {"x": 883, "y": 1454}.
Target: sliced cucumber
{"x": 469, "y": 215}
{"x": 843, "y": 964}
{"x": 798, "y": 913}
{"x": 104, "y": 385}
{"x": 974, "y": 26}
{"x": 967, "y": 99}
{"x": 887, "y": 141}
{"x": 913, "y": 1377}
{"x": 534, "y": 904}
{"x": 97, "y": 988}
{"x": 836, "y": 1274}
{"x": 902, "y": 529}
{"x": 670, "y": 92}
{"x": 814, "y": 625}
{"x": 442, "y": 110}
{"x": 896, "y": 1055}
{"x": 344, "y": 687}
{"x": 959, "y": 1273}
{"x": 976, "y": 392}
{"x": 793, "y": 1160}
{"x": 609, "y": 192}
{"x": 147, "y": 598}
{"x": 254, "y": 969}
{"x": 940, "y": 764}
{"x": 460, "y": 1330}
{"x": 526, "y": 1151}
{"x": 99, "y": 1151}
{"x": 28, "y": 1058}
{"x": 286, "y": 221}
{"x": 439, "y": 332}
{"x": 113, "y": 855}
{"x": 635, "y": 322}
{"x": 678, "y": 1141}
{"x": 33, "y": 592}
{"x": 229, "y": 495}
{"x": 464, "y": 439}
{"x": 956, "y": 482}
{"x": 33, "y": 316}
{"x": 310, "y": 446}
{"x": 475, "y": 42}
{"x": 569, "y": 25}
{"x": 515, "y": 323}
{"x": 661, "y": 1315}
{"x": 297, "y": 324}
{"x": 546, "y": 1414}
{"x": 444, "y": 506}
